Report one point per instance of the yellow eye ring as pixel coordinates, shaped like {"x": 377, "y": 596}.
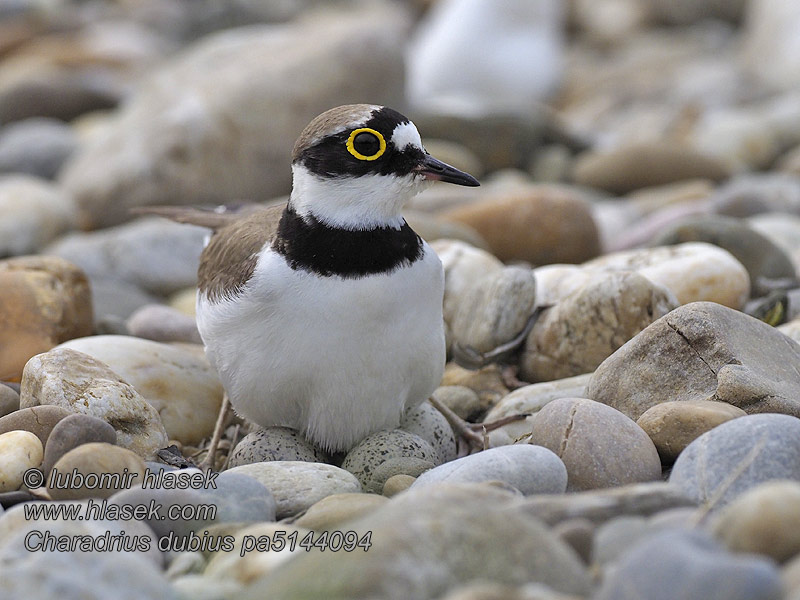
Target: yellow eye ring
{"x": 352, "y": 150}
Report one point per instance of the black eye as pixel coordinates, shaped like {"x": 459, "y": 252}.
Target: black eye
{"x": 366, "y": 143}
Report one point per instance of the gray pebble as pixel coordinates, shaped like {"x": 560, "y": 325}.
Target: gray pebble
{"x": 237, "y": 498}
{"x": 36, "y": 147}
{"x": 579, "y": 534}
{"x": 297, "y": 485}
{"x": 9, "y": 400}
{"x": 72, "y": 431}
{"x": 114, "y": 301}
{"x": 738, "y": 455}
{"x": 617, "y": 535}
{"x": 15, "y": 527}
{"x": 86, "y": 575}
{"x": 163, "y": 323}
{"x": 688, "y": 564}
{"x": 153, "y": 254}
{"x": 530, "y": 469}
{"x": 426, "y": 541}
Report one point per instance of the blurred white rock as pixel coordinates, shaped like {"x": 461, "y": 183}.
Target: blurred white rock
{"x": 480, "y": 56}
{"x": 771, "y": 44}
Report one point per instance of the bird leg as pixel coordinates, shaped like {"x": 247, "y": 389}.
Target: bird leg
{"x": 211, "y": 455}
{"x": 475, "y": 435}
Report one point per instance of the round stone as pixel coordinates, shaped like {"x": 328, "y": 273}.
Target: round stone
{"x": 614, "y": 537}
{"x": 460, "y": 399}
{"x": 19, "y": 451}
{"x": 275, "y": 443}
{"x": 495, "y": 309}
{"x": 637, "y": 166}
{"x": 9, "y": 400}
{"x": 674, "y": 425}
{"x": 763, "y": 259}
{"x": 529, "y": 469}
{"x": 600, "y": 446}
{"x": 34, "y": 212}
{"x": 72, "y": 431}
{"x": 82, "y": 384}
{"x": 386, "y": 453}
{"x": 333, "y": 511}
{"x": 155, "y": 255}
{"x": 248, "y": 561}
{"x": 94, "y": 470}
{"x": 70, "y": 520}
{"x": 694, "y": 565}
{"x": 702, "y": 351}
{"x": 566, "y": 231}
{"x": 161, "y": 323}
{"x": 90, "y": 575}
{"x": 694, "y": 271}
{"x": 529, "y": 400}
{"x": 130, "y": 164}
{"x": 39, "y": 420}
{"x": 298, "y": 485}
{"x": 582, "y": 330}
{"x": 179, "y": 383}
{"x": 738, "y": 455}
{"x": 45, "y": 301}
{"x": 463, "y": 265}
{"x": 36, "y": 146}
{"x": 764, "y": 520}
{"x": 234, "y": 498}
{"x": 396, "y": 484}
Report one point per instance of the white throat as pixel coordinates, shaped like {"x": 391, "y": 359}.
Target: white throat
{"x": 356, "y": 203}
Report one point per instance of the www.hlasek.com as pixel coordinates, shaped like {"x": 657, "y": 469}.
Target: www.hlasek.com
{"x": 42, "y": 540}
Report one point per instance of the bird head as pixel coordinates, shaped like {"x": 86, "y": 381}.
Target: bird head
{"x": 355, "y": 166}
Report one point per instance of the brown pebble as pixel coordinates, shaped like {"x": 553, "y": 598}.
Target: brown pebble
{"x": 39, "y": 420}
{"x": 91, "y": 461}
{"x": 45, "y": 300}
{"x": 9, "y": 400}
{"x": 599, "y": 445}
{"x": 674, "y": 425}
{"x": 396, "y": 484}
{"x": 563, "y": 222}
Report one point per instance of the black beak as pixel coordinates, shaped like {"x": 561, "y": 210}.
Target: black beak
{"x": 432, "y": 168}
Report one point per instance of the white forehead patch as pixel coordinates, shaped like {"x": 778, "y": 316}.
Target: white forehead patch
{"x": 406, "y": 134}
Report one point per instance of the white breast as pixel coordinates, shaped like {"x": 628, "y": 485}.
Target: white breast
{"x": 335, "y": 358}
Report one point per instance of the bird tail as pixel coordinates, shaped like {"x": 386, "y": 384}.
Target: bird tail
{"x": 213, "y": 218}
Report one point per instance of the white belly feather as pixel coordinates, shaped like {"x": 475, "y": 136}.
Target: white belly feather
{"x": 334, "y": 358}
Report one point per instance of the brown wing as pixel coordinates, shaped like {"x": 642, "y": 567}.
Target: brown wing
{"x": 228, "y": 261}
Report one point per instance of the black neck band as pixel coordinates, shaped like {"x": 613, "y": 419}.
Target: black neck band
{"x": 310, "y": 245}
